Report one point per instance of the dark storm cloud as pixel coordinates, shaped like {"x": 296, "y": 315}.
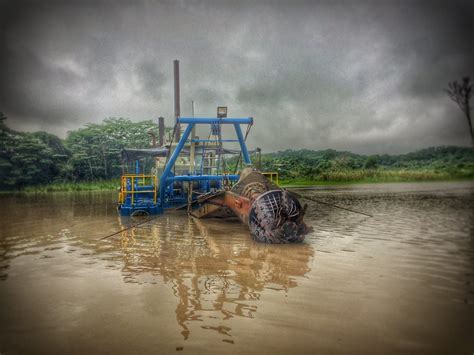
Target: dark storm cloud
{"x": 434, "y": 39}
{"x": 53, "y": 65}
{"x": 151, "y": 80}
{"x": 363, "y": 76}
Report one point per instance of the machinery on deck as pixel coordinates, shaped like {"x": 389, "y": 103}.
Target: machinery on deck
{"x": 148, "y": 194}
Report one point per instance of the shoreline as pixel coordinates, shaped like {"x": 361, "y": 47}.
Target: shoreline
{"x": 114, "y": 186}
{"x": 368, "y": 182}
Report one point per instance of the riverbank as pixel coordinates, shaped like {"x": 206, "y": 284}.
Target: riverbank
{"x": 362, "y": 176}
{"x": 102, "y": 185}
{"x": 365, "y": 176}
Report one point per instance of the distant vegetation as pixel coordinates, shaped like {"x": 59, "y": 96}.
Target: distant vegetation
{"x": 89, "y": 154}
{"x": 308, "y": 166}
{"x": 89, "y": 158}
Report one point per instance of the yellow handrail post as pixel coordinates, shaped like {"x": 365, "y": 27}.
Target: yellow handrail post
{"x": 121, "y": 191}
{"x": 133, "y": 189}
{"x": 142, "y": 180}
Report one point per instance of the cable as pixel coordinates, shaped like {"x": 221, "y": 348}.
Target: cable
{"x": 328, "y": 204}
{"x": 126, "y": 229}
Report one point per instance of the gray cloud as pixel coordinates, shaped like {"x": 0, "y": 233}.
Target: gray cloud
{"x": 151, "y": 80}
{"x": 362, "y": 76}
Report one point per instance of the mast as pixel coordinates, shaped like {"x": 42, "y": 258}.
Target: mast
{"x": 176, "y": 100}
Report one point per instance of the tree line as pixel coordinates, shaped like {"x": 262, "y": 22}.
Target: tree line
{"x": 329, "y": 165}
{"x": 92, "y": 153}
{"x": 87, "y": 154}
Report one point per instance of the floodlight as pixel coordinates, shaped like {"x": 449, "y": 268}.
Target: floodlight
{"x": 221, "y": 112}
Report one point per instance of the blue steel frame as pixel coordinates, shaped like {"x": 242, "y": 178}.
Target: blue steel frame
{"x": 167, "y": 196}
{"x": 167, "y": 178}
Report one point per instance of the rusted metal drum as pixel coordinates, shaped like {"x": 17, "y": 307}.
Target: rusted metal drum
{"x": 277, "y": 217}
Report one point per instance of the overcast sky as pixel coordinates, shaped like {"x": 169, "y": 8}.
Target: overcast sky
{"x": 365, "y": 76}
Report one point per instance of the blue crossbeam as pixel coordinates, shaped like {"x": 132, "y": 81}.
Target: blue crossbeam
{"x": 213, "y": 140}
{"x": 232, "y": 177}
{"x": 167, "y": 177}
{"x": 208, "y": 120}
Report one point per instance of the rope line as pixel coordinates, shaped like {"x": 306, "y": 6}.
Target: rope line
{"x": 128, "y": 228}
{"x": 329, "y": 204}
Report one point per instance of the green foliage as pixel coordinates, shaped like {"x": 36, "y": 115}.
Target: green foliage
{"x": 95, "y": 149}
{"x": 75, "y": 186}
{"x": 332, "y": 166}
{"x": 31, "y": 162}
{"x": 91, "y": 153}
{"x": 370, "y": 162}
{"x": 28, "y": 158}
{"x": 41, "y": 161}
{"x": 6, "y": 141}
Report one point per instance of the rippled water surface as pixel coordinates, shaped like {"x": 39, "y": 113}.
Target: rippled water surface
{"x": 402, "y": 281}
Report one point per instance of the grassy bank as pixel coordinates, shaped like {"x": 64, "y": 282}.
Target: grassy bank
{"x": 308, "y": 167}
{"x": 76, "y": 186}
{"x": 380, "y": 176}
{"x": 327, "y": 178}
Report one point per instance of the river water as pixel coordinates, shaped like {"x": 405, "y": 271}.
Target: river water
{"x": 401, "y": 281}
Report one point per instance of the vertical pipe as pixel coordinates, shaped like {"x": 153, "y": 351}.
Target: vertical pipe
{"x": 161, "y": 131}
{"x": 172, "y": 160}
{"x": 191, "y": 161}
{"x": 259, "y": 152}
{"x": 176, "y": 99}
{"x": 193, "y": 145}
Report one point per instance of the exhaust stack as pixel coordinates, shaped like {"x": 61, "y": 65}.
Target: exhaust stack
{"x": 161, "y": 131}
{"x": 177, "y": 108}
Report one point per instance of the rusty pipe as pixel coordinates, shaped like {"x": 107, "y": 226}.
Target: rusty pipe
{"x": 272, "y": 214}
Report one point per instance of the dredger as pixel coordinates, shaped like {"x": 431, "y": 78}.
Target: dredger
{"x": 196, "y": 173}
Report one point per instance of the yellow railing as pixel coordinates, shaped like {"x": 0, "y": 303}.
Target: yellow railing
{"x": 139, "y": 180}
{"x": 272, "y": 176}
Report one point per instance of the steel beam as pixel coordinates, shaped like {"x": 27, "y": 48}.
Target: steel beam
{"x": 214, "y": 120}
{"x": 243, "y": 146}
{"x": 172, "y": 160}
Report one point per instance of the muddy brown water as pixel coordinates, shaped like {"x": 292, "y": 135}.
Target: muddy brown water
{"x": 400, "y": 282}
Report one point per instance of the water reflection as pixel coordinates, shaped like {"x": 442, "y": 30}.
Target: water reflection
{"x": 215, "y": 270}
{"x": 205, "y": 283}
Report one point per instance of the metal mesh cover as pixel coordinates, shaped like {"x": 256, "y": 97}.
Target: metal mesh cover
{"x": 276, "y": 217}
